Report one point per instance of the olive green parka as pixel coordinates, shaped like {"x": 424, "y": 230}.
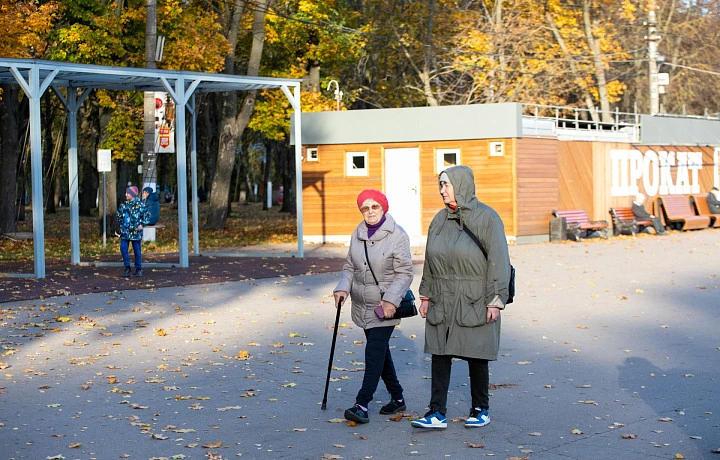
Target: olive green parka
{"x": 457, "y": 279}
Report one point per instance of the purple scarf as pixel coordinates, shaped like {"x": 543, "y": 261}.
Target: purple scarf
{"x": 373, "y": 228}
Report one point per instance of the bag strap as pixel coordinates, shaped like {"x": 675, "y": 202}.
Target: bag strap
{"x": 472, "y": 236}
{"x": 368, "y": 262}
{"x": 476, "y": 240}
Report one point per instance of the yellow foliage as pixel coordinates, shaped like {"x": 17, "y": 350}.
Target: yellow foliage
{"x": 195, "y": 40}
{"x": 25, "y": 27}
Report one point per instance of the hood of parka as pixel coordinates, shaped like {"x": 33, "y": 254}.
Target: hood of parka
{"x": 463, "y": 182}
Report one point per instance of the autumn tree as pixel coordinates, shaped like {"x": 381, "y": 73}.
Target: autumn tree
{"x": 25, "y": 26}
{"x": 690, "y": 45}
{"x": 311, "y": 41}
{"x": 235, "y": 117}
{"x": 444, "y": 53}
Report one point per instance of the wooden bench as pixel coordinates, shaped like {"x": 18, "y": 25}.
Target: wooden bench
{"x": 702, "y": 209}
{"x": 677, "y": 212}
{"x": 624, "y": 221}
{"x": 578, "y": 221}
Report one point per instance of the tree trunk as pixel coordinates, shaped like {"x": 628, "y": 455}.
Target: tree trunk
{"x": 88, "y": 189}
{"x": 21, "y": 187}
{"x": 10, "y": 150}
{"x": 49, "y": 160}
{"x": 426, "y": 74}
{"x": 220, "y": 190}
{"x": 232, "y": 125}
{"x": 267, "y": 176}
{"x": 594, "y": 46}
{"x": 58, "y": 190}
{"x": 109, "y": 191}
{"x": 573, "y": 67}
{"x": 250, "y": 197}
{"x": 286, "y": 164}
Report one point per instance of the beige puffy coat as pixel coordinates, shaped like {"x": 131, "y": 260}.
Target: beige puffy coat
{"x": 389, "y": 252}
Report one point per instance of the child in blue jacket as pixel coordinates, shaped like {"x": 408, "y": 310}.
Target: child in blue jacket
{"x": 132, "y": 216}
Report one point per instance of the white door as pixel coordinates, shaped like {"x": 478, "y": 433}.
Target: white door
{"x": 402, "y": 188}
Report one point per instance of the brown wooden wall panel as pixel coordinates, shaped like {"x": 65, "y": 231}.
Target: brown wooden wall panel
{"x": 602, "y": 199}
{"x": 329, "y": 197}
{"x": 495, "y": 180}
{"x": 329, "y": 206}
{"x": 493, "y": 177}
{"x": 603, "y": 180}
{"x": 706, "y": 176}
{"x": 707, "y": 173}
{"x": 537, "y": 185}
{"x": 575, "y": 164}
{"x": 533, "y": 177}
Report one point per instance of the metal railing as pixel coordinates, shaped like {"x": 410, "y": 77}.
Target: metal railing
{"x": 582, "y": 119}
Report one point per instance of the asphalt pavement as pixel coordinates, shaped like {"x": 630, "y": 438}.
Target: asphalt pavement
{"x": 611, "y": 350}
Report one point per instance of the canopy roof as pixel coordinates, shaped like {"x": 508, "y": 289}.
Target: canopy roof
{"x": 63, "y": 74}
{"x": 36, "y": 76}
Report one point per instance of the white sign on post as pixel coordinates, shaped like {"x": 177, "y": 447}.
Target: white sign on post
{"x": 104, "y": 165}
{"x": 104, "y": 160}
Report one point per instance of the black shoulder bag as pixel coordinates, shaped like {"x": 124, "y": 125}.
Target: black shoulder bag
{"x": 511, "y": 285}
{"x": 406, "y": 308}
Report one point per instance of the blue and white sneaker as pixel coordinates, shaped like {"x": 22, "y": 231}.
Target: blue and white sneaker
{"x": 433, "y": 420}
{"x": 478, "y": 417}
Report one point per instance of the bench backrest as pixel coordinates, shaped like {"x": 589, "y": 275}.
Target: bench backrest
{"x": 701, "y": 205}
{"x": 578, "y": 216}
{"x": 676, "y": 206}
{"x": 622, "y": 213}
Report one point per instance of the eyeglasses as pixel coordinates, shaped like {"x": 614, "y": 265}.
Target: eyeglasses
{"x": 374, "y": 207}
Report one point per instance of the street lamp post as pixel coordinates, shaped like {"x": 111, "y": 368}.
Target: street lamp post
{"x": 338, "y": 93}
{"x": 653, "y": 39}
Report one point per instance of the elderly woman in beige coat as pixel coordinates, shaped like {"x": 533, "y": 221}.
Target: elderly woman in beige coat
{"x": 379, "y": 243}
{"x": 462, "y": 293}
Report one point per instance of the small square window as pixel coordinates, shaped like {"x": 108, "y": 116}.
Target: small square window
{"x": 356, "y": 164}
{"x": 446, "y": 158}
{"x": 497, "y": 149}
{"x": 312, "y": 154}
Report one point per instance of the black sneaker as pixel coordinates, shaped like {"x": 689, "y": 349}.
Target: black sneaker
{"x": 127, "y": 271}
{"x": 392, "y": 407}
{"x": 138, "y": 272}
{"x": 356, "y": 414}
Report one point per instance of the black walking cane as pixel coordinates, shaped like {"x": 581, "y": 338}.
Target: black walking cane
{"x": 332, "y": 352}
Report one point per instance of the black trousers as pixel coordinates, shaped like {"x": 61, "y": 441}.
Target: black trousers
{"x": 378, "y": 364}
{"x": 657, "y": 225}
{"x": 479, "y": 382}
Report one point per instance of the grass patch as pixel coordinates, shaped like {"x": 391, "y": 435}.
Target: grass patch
{"x": 248, "y": 224}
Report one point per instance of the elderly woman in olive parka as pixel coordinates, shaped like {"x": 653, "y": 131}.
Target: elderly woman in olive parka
{"x": 460, "y": 285}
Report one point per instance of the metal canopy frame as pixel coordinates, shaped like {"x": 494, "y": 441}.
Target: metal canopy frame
{"x": 36, "y": 76}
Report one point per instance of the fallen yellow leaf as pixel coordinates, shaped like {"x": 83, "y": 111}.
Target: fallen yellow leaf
{"x": 243, "y": 354}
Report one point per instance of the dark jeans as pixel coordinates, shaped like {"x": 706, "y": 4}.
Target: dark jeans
{"x": 137, "y": 252}
{"x": 378, "y": 364}
{"x": 479, "y": 382}
{"x": 657, "y": 225}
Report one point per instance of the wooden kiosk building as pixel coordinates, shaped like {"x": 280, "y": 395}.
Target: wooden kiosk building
{"x": 528, "y": 161}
